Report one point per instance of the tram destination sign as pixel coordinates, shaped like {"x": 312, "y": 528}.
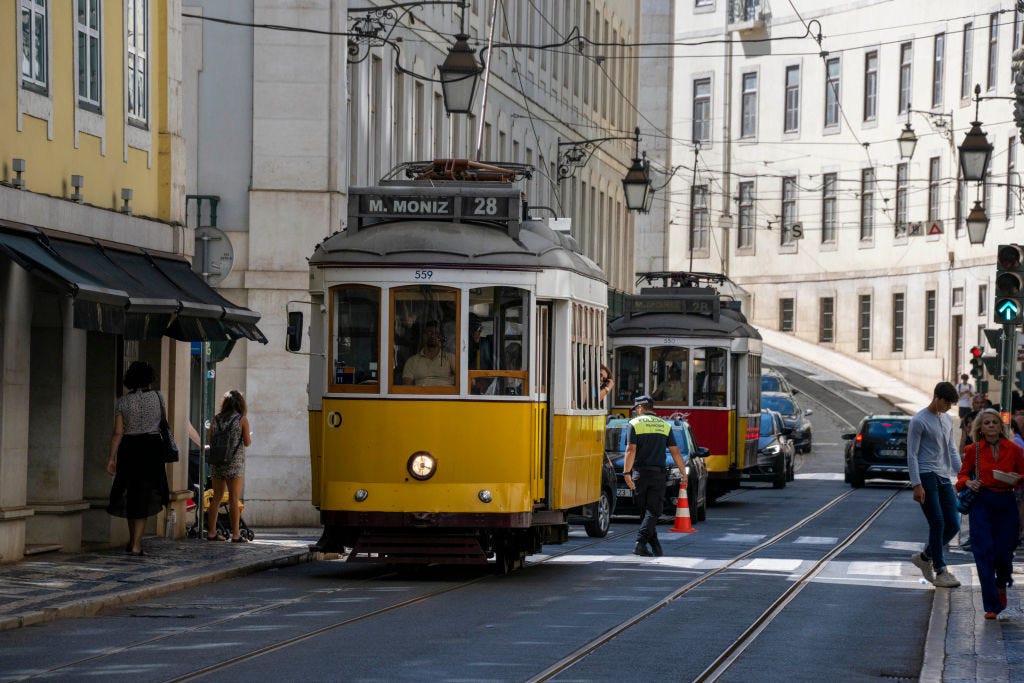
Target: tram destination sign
{"x": 698, "y": 305}
{"x": 439, "y": 207}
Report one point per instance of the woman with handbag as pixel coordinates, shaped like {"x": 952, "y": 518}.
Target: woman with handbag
{"x": 136, "y": 461}
{"x": 992, "y": 468}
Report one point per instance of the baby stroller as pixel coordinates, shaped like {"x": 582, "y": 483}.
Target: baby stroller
{"x": 223, "y": 518}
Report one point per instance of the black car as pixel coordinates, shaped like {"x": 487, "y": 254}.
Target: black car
{"x": 877, "y": 450}
{"x": 773, "y": 380}
{"x": 596, "y": 517}
{"x": 616, "y": 437}
{"x": 775, "y": 452}
{"x": 793, "y": 415}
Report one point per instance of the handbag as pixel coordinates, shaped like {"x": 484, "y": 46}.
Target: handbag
{"x": 965, "y": 498}
{"x": 170, "y": 450}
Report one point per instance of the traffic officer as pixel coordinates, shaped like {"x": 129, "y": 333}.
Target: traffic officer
{"x": 645, "y": 473}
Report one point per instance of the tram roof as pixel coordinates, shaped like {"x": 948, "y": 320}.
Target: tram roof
{"x": 726, "y": 321}
{"x": 457, "y": 241}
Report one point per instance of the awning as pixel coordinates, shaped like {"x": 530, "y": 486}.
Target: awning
{"x": 134, "y": 293}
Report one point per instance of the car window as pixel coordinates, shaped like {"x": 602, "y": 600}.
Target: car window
{"x": 615, "y": 439}
{"x": 770, "y": 383}
{"x": 679, "y": 433}
{"x": 885, "y": 429}
{"x": 779, "y": 403}
{"x": 767, "y": 428}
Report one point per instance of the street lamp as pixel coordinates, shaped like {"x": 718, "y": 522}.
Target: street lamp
{"x": 907, "y": 141}
{"x": 636, "y": 186}
{"x": 977, "y": 224}
{"x": 975, "y": 150}
{"x": 459, "y": 74}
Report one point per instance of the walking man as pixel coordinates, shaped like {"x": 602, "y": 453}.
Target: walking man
{"x": 932, "y": 459}
{"x": 645, "y": 473}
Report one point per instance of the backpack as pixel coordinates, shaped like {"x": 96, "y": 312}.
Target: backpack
{"x": 221, "y": 446}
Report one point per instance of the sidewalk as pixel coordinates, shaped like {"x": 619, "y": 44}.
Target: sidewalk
{"x": 56, "y": 585}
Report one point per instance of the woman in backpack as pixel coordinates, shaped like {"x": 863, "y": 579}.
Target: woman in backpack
{"x": 140, "y": 487}
{"x": 232, "y": 423}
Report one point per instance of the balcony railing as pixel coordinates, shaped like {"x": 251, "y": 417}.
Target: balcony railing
{"x": 747, "y": 15}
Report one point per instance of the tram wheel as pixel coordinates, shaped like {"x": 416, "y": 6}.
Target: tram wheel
{"x": 507, "y": 556}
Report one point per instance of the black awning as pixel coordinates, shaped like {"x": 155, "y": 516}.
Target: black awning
{"x": 134, "y": 293}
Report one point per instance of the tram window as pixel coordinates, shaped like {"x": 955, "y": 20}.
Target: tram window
{"x": 670, "y": 374}
{"x": 424, "y": 353}
{"x": 588, "y": 327}
{"x": 629, "y": 368}
{"x": 498, "y": 341}
{"x": 355, "y": 338}
{"x": 709, "y": 376}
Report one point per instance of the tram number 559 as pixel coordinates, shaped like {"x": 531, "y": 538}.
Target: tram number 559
{"x": 423, "y": 274}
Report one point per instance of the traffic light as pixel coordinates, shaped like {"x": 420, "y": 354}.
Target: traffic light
{"x": 977, "y": 365}
{"x": 1009, "y": 284}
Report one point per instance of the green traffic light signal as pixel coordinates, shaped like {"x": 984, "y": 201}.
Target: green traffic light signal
{"x": 1009, "y": 285}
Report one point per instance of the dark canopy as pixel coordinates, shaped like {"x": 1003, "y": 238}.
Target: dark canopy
{"x": 134, "y": 293}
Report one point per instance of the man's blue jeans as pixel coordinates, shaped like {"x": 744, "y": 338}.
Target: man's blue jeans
{"x": 943, "y": 519}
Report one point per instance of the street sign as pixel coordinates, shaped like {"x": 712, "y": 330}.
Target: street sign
{"x": 1007, "y": 310}
{"x": 935, "y": 228}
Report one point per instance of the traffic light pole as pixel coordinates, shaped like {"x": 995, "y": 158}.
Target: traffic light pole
{"x": 1009, "y": 355}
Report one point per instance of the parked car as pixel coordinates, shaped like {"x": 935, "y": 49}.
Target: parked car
{"x": 615, "y": 442}
{"x": 877, "y": 450}
{"x": 596, "y": 517}
{"x": 793, "y": 415}
{"x": 775, "y": 452}
{"x": 773, "y": 380}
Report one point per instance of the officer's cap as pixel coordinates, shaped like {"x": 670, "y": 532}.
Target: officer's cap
{"x": 645, "y": 401}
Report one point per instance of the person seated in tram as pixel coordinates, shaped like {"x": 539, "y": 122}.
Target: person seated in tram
{"x": 430, "y": 367}
{"x": 672, "y": 390}
{"x": 481, "y": 352}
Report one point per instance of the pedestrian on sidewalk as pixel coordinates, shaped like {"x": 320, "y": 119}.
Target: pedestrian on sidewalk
{"x": 964, "y": 390}
{"x": 136, "y": 462}
{"x": 228, "y": 437}
{"x": 644, "y": 470}
{"x": 995, "y": 522}
{"x": 932, "y": 459}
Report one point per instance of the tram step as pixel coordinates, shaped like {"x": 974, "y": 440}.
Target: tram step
{"x": 417, "y": 549}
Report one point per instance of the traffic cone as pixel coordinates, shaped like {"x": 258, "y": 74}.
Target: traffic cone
{"x": 682, "y": 524}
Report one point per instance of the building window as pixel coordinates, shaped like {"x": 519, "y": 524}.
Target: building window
{"x": 864, "y": 323}
{"x": 828, "y": 208}
{"x": 785, "y": 315}
{"x": 965, "y": 61}
{"x": 933, "y": 189}
{"x": 832, "y": 92}
{"x": 938, "y": 69}
{"x": 33, "y": 44}
{"x": 1017, "y": 16}
{"x": 982, "y": 299}
{"x": 138, "y": 58}
{"x": 826, "y": 319}
{"x": 1011, "y": 176}
{"x": 898, "y": 314}
{"x": 901, "y": 200}
{"x": 702, "y": 110}
{"x": 700, "y": 222}
{"x": 748, "y": 106}
{"x": 929, "y": 320}
{"x": 788, "y": 210}
{"x": 867, "y": 204}
{"x": 792, "y": 118}
{"x": 958, "y": 296}
{"x": 906, "y": 55}
{"x": 871, "y": 86}
{"x": 87, "y": 31}
{"x": 993, "y": 51}
{"x": 746, "y": 218}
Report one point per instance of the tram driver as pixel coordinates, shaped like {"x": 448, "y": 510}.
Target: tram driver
{"x": 672, "y": 390}
{"x": 431, "y": 366}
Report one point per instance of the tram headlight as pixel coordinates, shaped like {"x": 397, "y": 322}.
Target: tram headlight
{"x": 485, "y": 496}
{"x": 421, "y": 465}
{"x": 361, "y": 495}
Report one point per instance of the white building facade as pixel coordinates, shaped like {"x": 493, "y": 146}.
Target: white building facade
{"x": 280, "y": 123}
{"x": 799, "y": 192}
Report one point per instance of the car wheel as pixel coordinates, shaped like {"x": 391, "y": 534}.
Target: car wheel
{"x": 782, "y": 473}
{"x": 702, "y": 509}
{"x": 791, "y": 472}
{"x": 856, "y": 480}
{"x": 598, "y": 527}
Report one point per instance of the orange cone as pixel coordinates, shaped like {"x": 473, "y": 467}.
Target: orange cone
{"x": 682, "y": 524}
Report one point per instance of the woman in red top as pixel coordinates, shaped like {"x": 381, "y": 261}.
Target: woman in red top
{"x": 995, "y": 523}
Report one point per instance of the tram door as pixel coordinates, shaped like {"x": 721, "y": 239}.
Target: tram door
{"x": 543, "y": 416}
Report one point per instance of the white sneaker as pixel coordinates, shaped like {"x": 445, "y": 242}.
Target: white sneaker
{"x": 925, "y": 566}
{"x": 945, "y": 579}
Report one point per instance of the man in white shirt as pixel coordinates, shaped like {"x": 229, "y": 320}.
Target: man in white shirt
{"x": 965, "y": 391}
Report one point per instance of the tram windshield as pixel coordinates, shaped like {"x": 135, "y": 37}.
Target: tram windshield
{"x": 498, "y": 344}
{"x": 355, "y": 340}
{"x": 672, "y": 375}
{"x": 424, "y": 335}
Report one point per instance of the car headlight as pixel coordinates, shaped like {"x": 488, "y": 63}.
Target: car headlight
{"x": 673, "y": 474}
{"x": 773, "y": 449}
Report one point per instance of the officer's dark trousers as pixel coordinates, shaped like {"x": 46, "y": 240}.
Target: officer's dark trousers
{"x": 650, "y": 497}
{"x": 995, "y": 524}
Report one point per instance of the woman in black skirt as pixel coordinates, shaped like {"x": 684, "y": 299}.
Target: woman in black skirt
{"x": 140, "y": 487}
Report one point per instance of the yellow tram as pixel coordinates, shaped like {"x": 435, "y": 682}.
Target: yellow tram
{"x": 453, "y": 339}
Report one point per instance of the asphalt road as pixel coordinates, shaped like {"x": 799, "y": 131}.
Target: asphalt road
{"x": 586, "y": 610}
